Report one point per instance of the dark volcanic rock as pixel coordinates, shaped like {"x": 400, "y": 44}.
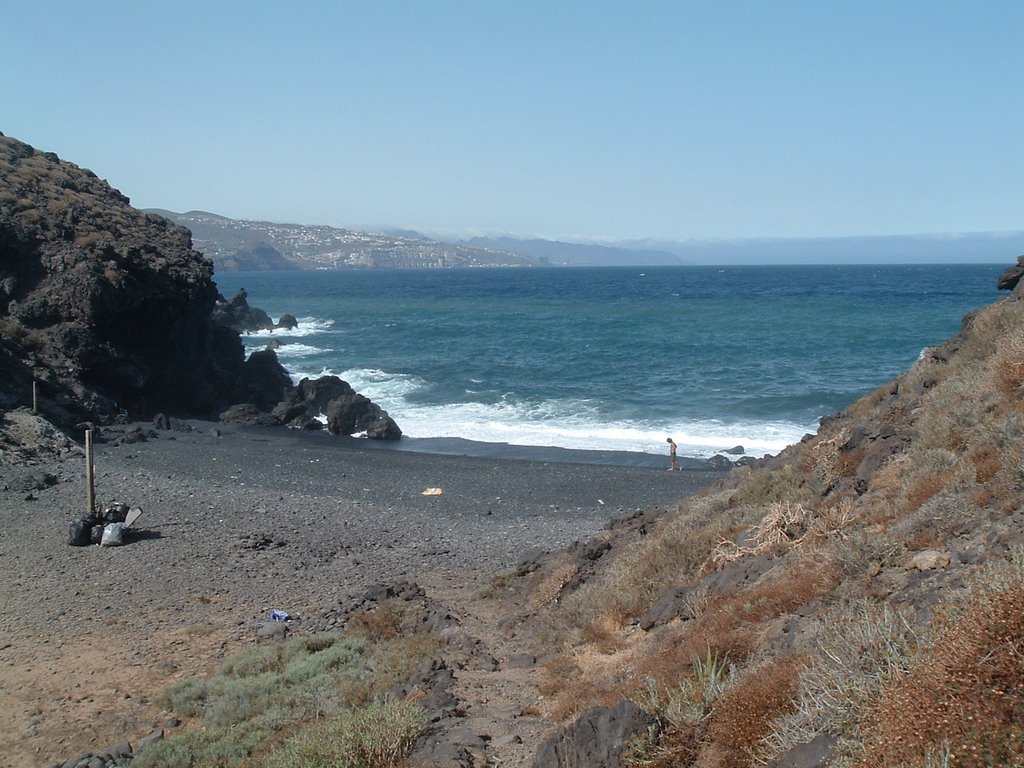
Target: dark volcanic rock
{"x": 236, "y": 314}
{"x": 597, "y": 739}
{"x": 108, "y": 308}
{"x": 310, "y": 399}
{"x": 265, "y": 379}
{"x": 719, "y": 461}
{"x": 1009, "y": 279}
{"x": 287, "y": 321}
{"x": 247, "y": 413}
{"x": 350, "y": 414}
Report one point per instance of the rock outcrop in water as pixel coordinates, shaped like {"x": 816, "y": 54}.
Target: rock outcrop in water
{"x": 109, "y": 311}
{"x": 343, "y": 409}
{"x": 236, "y": 314}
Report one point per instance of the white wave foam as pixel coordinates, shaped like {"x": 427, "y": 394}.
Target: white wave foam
{"x": 307, "y": 326}
{"x": 513, "y": 425}
{"x": 561, "y": 424}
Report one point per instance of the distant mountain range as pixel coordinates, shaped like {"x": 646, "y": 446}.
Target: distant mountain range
{"x": 962, "y": 248}
{"x": 560, "y": 254}
{"x": 965, "y": 248}
{"x": 243, "y": 245}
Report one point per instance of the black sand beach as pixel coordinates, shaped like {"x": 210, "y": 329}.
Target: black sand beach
{"x": 238, "y": 521}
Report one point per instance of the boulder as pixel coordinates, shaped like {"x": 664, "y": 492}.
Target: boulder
{"x": 303, "y": 406}
{"x": 1009, "y": 279}
{"x": 265, "y": 380}
{"x": 310, "y": 399}
{"x": 929, "y": 560}
{"x": 816, "y": 753}
{"x": 152, "y": 738}
{"x": 164, "y": 422}
{"x": 432, "y": 682}
{"x": 351, "y": 414}
{"x": 247, "y": 414}
{"x": 287, "y": 322}
{"x": 272, "y": 630}
{"x": 670, "y": 604}
{"x": 597, "y": 739}
{"x": 879, "y": 447}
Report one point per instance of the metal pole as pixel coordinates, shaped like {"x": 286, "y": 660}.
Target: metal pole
{"x": 35, "y": 398}
{"x": 90, "y": 488}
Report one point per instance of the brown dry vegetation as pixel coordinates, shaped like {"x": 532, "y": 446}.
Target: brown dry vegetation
{"x": 964, "y": 698}
{"x": 832, "y": 630}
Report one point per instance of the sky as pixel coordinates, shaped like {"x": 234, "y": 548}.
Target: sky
{"x": 679, "y": 120}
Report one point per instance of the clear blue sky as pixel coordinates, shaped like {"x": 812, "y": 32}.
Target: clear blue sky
{"x": 621, "y": 120}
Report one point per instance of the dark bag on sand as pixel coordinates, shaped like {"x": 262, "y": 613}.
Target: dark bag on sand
{"x": 79, "y": 532}
{"x": 115, "y": 513}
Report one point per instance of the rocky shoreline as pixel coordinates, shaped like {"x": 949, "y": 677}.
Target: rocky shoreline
{"x": 238, "y": 522}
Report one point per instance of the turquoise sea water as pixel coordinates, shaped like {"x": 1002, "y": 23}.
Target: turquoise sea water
{"x": 616, "y": 358}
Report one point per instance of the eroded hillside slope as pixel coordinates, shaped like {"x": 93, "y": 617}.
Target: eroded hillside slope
{"x": 858, "y": 601}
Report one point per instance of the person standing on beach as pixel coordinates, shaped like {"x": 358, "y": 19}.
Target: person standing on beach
{"x": 672, "y": 453}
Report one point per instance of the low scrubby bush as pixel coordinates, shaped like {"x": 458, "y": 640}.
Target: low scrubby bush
{"x": 264, "y": 690}
{"x": 377, "y": 736}
{"x": 862, "y": 648}
{"x": 965, "y": 697}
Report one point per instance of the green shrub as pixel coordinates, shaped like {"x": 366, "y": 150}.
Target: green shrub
{"x": 344, "y": 653}
{"x": 253, "y": 661}
{"x": 377, "y": 736}
{"x": 220, "y": 747}
{"x": 186, "y": 698}
{"x": 861, "y": 649}
{"x": 235, "y": 700}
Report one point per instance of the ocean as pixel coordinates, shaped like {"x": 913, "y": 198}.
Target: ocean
{"x": 614, "y": 359}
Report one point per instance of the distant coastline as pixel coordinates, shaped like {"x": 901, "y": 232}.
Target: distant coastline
{"x": 241, "y": 245}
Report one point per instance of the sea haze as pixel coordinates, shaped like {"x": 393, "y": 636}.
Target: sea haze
{"x": 615, "y": 359}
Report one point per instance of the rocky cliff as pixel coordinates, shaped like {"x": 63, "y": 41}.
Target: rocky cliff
{"x": 106, "y": 307}
{"x": 108, "y": 312}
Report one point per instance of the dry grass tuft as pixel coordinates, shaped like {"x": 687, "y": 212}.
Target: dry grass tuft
{"x": 574, "y": 683}
{"x": 547, "y": 591}
{"x": 783, "y": 526}
{"x": 765, "y": 486}
{"x": 987, "y": 462}
{"x": 1007, "y": 364}
{"x": 673, "y": 553}
{"x": 382, "y": 623}
{"x": 828, "y": 464}
{"x": 730, "y": 627}
{"x": 834, "y": 522}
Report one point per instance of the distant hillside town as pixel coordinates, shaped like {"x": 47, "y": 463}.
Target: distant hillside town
{"x": 242, "y": 245}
